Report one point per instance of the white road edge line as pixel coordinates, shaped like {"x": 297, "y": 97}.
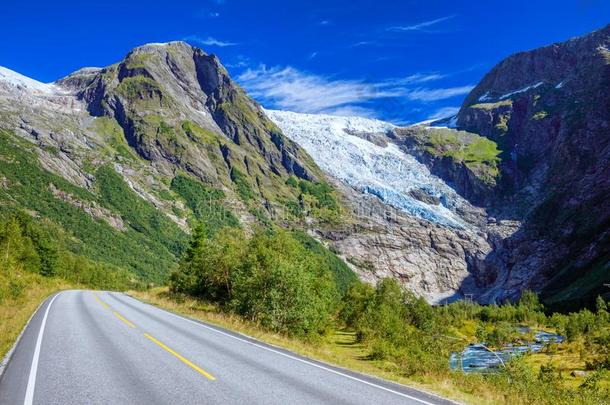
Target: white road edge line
{"x": 297, "y": 359}
{"x": 29, "y": 393}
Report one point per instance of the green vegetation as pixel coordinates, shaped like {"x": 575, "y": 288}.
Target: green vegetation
{"x": 270, "y": 279}
{"x": 196, "y": 133}
{"x": 139, "y": 88}
{"x": 114, "y": 136}
{"x": 285, "y": 282}
{"x": 478, "y": 153}
{"x": 138, "y": 60}
{"x": 493, "y": 106}
{"x": 149, "y": 246}
{"x": 141, "y": 215}
{"x": 344, "y": 277}
{"x": 242, "y": 185}
{"x": 319, "y": 198}
{"x": 540, "y": 115}
{"x": 205, "y": 202}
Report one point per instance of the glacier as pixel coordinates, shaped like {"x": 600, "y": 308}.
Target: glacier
{"x": 383, "y": 171}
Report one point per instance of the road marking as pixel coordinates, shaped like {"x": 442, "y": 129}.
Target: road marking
{"x": 297, "y": 359}
{"x": 123, "y": 319}
{"x": 29, "y": 392}
{"x": 185, "y": 361}
{"x": 97, "y": 298}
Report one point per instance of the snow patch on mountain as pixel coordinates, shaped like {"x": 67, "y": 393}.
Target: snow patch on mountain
{"x": 523, "y": 90}
{"x": 21, "y": 81}
{"x": 383, "y": 171}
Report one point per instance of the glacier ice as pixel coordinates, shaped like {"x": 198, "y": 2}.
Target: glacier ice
{"x": 385, "y": 172}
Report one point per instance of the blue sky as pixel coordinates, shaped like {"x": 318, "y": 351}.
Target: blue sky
{"x": 402, "y": 61}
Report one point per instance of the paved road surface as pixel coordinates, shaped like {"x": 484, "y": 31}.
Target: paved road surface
{"x": 86, "y": 347}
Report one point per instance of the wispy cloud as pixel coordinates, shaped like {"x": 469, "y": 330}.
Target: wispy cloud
{"x": 363, "y": 43}
{"x": 420, "y": 78}
{"x": 291, "y": 89}
{"x": 313, "y": 55}
{"x": 209, "y": 41}
{"x": 438, "y": 94}
{"x": 324, "y": 22}
{"x": 444, "y": 112}
{"x": 421, "y": 25}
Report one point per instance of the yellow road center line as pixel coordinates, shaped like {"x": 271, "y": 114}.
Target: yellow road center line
{"x": 185, "y": 361}
{"x": 123, "y": 319}
{"x": 100, "y": 301}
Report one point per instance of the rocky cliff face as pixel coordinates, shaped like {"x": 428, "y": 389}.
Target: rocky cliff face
{"x": 549, "y": 112}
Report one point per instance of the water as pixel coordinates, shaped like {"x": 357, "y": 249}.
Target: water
{"x": 477, "y": 359}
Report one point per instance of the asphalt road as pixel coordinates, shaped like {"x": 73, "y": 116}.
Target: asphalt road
{"x": 86, "y": 347}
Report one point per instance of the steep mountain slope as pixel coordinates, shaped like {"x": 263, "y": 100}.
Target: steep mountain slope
{"x": 549, "y": 112}
{"x": 530, "y": 146}
{"x": 121, "y": 160}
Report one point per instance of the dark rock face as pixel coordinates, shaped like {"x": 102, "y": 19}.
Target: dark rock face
{"x": 456, "y": 173}
{"x": 549, "y": 112}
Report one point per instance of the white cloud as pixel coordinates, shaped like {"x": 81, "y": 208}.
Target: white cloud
{"x": 444, "y": 112}
{"x": 419, "y": 78}
{"x": 421, "y": 25}
{"x": 363, "y": 43}
{"x": 209, "y": 41}
{"x": 324, "y": 22}
{"x": 291, "y": 89}
{"x": 438, "y": 94}
{"x": 313, "y": 55}
{"x": 288, "y": 88}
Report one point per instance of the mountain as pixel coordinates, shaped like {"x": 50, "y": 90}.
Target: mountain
{"x": 122, "y": 160}
{"x": 549, "y": 112}
{"x": 522, "y": 173}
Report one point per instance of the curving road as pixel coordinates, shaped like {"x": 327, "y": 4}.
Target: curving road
{"x": 86, "y": 347}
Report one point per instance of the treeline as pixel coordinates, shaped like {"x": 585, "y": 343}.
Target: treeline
{"x": 273, "y": 279}
{"x": 270, "y": 278}
{"x": 29, "y": 248}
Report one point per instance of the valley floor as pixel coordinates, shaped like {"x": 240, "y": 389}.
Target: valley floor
{"x": 341, "y": 348}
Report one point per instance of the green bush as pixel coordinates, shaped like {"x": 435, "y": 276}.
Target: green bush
{"x": 205, "y": 202}
{"x": 243, "y": 188}
{"x": 270, "y": 278}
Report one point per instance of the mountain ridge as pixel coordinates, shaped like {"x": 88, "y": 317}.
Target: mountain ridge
{"x": 432, "y": 206}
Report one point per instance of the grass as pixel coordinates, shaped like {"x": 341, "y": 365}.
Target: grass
{"x": 15, "y": 312}
{"x": 113, "y": 134}
{"x": 242, "y": 186}
{"x": 492, "y": 106}
{"x": 478, "y": 153}
{"x": 205, "y": 202}
{"x": 339, "y": 348}
{"x": 149, "y": 248}
{"x": 196, "y": 133}
{"x": 540, "y": 115}
{"x": 139, "y": 87}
